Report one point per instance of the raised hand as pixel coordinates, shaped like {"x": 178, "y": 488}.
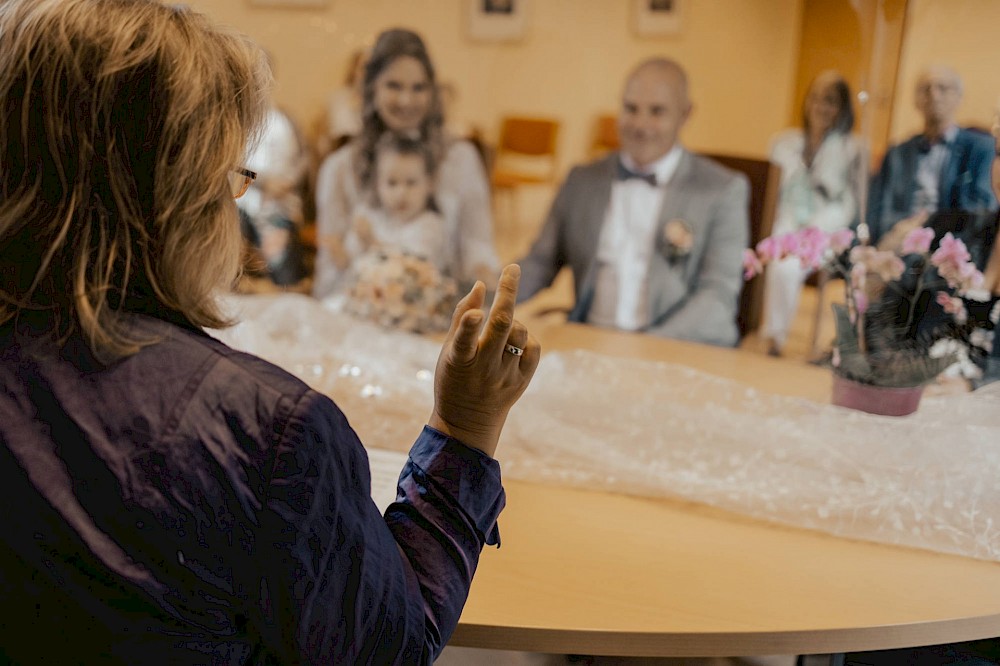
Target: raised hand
{"x": 480, "y": 374}
{"x": 893, "y": 240}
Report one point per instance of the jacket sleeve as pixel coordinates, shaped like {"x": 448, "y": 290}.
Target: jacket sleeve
{"x": 342, "y": 584}
{"x": 879, "y": 214}
{"x": 546, "y": 257}
{"x": 983, "y": 151}
{"x": 708, "y": 314}
{"x": 335, "y": 202}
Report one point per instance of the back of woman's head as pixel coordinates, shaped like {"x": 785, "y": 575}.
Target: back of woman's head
{"x": 389, "y": 47}
{"x": 120, "y": 121}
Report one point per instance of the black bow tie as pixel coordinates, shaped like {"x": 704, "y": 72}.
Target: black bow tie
{"x": 624, "y": 174}
{"x": 924, "y": 144}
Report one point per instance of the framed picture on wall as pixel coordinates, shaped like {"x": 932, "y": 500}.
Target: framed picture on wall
{"x": 497, "y": 20}
{"x": 654, "y": 18}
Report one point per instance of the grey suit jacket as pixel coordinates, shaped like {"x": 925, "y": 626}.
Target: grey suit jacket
{"x": 694, "y": 297}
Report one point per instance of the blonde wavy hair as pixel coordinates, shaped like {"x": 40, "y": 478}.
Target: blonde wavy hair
{"x": 120, "y": 122}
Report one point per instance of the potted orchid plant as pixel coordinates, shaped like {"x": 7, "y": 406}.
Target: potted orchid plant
{"x": 886, "y": 348}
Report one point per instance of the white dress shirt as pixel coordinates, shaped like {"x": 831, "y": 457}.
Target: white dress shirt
{"x": 929, "y": 169}
{"x": 627, "y": 244}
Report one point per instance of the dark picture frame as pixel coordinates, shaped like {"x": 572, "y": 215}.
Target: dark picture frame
{"x": 497, "y": 20}
{"x": 655, "y": 18}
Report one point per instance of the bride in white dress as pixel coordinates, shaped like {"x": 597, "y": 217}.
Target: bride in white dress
{"x": 400, "y": 95}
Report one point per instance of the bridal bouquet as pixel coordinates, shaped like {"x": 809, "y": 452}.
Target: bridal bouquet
{"x": 401, "y": 291}
{"x": 905, "y": 316}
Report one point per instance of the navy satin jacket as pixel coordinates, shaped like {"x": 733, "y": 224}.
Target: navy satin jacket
{"x": 965, "y": 180}
{"x": 191, "y": 504}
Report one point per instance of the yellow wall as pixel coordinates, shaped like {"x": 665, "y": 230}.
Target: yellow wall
{"x": 741, "y": 56}
{"x": 961, "y": 34}
{"x": 862, "y": 40}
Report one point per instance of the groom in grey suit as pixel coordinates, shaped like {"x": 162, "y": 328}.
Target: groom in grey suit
{"x": 654, "y": 234}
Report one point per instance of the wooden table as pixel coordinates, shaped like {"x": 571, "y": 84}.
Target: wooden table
{"x": 599, "y": 573}
{"x": 764, "y": 372}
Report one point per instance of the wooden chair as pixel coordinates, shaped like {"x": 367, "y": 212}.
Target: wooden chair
{"x": 605, "y": 137}
{"x": 765, "y": 181}
{"x": 525, "y": 155}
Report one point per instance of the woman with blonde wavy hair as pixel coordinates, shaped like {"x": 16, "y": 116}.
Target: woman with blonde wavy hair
{"x": 178, "y": 501}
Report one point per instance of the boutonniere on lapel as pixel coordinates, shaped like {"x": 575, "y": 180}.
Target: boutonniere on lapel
{"x": 678, "y": 239}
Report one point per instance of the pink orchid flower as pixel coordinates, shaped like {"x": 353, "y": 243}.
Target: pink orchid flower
{"x": 918, "y": 241}
{"x": 751, "y": 264}
{"x": 963, "y": 277}
{"x": 950, "y": 250}
{"x": 813, "y": 244}
{"x": 952, "y": 261}
{"x": 788, "y": 244}
{"x": 953, "y": 306}
{"x": 859, "y": 275}
{"x": 886, "y": 265}
{"x": 767, "y": 249}
{"x": 860, "y": 301}
{"x": 841, "y": 239}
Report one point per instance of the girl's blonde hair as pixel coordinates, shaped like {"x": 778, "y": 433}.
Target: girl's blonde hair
{"x": 120, "y": 121}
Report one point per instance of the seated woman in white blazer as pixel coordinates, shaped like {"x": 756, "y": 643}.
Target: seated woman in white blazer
{"x": 821, "y": 166}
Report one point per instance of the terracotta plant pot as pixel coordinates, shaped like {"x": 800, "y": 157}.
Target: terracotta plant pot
{"x": 884, "y": 400}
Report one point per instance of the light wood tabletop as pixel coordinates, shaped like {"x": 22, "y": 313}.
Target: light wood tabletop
{"x": 763, "y": 372}
{"x": 605, "y": 574}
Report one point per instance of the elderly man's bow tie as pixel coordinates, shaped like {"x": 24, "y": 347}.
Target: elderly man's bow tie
{"x": 924, "y": 144}
{"x": 625, "y": 173}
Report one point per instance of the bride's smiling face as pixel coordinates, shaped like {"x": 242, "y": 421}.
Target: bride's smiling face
{"x": 403, "y": 94}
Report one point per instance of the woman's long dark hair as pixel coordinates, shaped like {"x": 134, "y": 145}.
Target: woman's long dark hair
{"x": 390, "y": 46}
{"x": 844, "y": 122}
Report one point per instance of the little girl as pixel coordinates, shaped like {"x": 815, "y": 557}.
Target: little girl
{"x": 403, "y": 216}
{"x": 397, "y": 247}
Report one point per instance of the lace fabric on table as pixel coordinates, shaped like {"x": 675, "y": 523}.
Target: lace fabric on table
{"x": 659, "y": 429}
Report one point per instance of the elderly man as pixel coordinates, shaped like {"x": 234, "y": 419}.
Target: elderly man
{"x": 945, "y": 168}
{"x": 654, "y": 234}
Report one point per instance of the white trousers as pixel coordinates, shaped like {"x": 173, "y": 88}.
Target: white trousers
{"x": 782, "y": 288}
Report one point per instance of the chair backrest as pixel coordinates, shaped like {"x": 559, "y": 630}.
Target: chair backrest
{"x": 526, "y": 152}
{"x": 605, "y": 136}
{"x": 765, "y": 182}
{"x": 533, "y": 137}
